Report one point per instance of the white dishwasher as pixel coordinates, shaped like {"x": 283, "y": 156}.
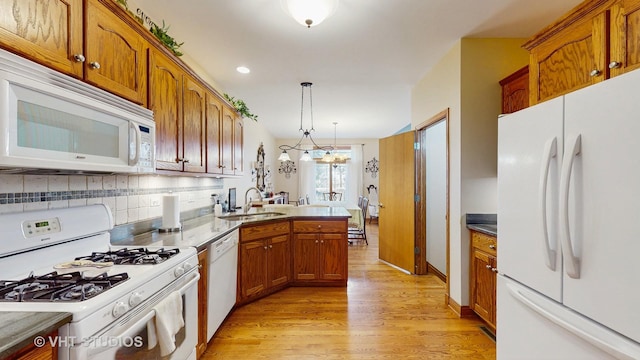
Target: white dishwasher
{"x": 223, "y": 270}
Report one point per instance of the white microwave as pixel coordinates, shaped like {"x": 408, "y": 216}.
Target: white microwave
{"x": 50, "y": 122}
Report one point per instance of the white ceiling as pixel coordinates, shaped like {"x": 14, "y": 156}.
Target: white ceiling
{"x": 363, "y": 61}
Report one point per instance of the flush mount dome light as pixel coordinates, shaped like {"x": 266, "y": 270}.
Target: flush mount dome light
{"x": 309, "y": 12}
{"x": 243, "y": 70}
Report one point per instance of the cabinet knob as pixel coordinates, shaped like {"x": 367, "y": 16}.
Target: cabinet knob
{"x": 495, "y": 270}
{"x": 488, "y": 266}
{"x": 265, "y": 248}
{"x": 319, "y": 226}
{"x": 316, "y": 241}
{"x": 185, "y": 160}
{"x": 321, "y": 241}
{"x": 79, "y": 58}
{"x": 178, "y": 160}
{"x": 492, "y": 247}
{"x": 595, "y": 72}
{"x": 614, "y": 65}
{"x": 94, "y": 65}
{"x": 270, "y": 246}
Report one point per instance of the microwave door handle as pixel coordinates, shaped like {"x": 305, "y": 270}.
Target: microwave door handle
{"x": 138, "y": 136}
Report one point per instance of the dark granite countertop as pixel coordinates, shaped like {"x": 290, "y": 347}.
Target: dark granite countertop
{"x": 204, "y": 230}
{"x": 19, "y": 329}
{"x": 484, "y": 223}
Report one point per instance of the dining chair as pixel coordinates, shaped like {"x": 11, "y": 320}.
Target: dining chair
{"x": 301, "y": 201}
{"x": 360, "y": 234}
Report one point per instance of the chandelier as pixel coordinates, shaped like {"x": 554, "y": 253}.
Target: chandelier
{"x": 306, "y": 133}
{"x": 333, "y": 156}
{"x": 309, "y": 12}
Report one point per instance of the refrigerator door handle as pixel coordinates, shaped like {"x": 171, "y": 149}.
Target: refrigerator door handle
{"x": 550, "y": 152}
{"x": 602, "y": 338}
{"x": 571, "y": 262}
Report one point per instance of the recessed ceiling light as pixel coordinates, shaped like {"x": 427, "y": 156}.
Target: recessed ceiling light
{"x": 243, "y": 69}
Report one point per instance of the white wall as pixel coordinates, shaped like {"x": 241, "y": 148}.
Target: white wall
{"x": 466, "y": 80}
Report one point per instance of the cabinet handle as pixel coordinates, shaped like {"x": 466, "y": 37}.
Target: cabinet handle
{"x": 595, "y": 72}
{"x": 185, "y": 160}
{"x": 614, "y": 65}
{"x": 79, "y": 58}
{"x": 178, "y": 160}
{"x": 492, "y": 247}
{"x": 488, "y": 266}
{"x": 94, "y": 65}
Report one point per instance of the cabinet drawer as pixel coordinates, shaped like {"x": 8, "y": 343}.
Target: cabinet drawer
{"x": 252, "y": 232}
{"x": 302, "y": 226}
{"x": 484, "y": 242}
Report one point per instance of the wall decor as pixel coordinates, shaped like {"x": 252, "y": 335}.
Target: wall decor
{"x": 372, "y": 167}
{"x": 287, "y": 167}
{"x": 259, "y": 168}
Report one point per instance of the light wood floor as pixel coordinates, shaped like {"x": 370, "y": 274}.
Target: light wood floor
{"x": 382, "y": 314}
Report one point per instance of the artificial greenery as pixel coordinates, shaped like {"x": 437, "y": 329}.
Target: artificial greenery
{"x": 241, "y": 107}
{"x": 168, "y": 41}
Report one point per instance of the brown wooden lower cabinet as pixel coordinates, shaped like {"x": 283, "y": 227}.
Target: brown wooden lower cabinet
{"x": 483, "y": 277}
{"x": 203, "y": 294}
{"x": 32, "y": 352}
{"x": 320, "y": 252}
{"x": 264, "y": 260}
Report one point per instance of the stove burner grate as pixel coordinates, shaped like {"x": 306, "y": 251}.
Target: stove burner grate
{"x": 54, "y": 287}
{"x": 133, "y": 256}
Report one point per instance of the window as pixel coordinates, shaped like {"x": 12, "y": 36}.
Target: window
{"x": 331, "y": 176}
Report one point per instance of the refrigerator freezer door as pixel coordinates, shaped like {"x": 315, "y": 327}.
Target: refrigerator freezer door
{"x": 604, "y": 206}
{"x": 529, "y": 154}
{"x": 532, "y": 326}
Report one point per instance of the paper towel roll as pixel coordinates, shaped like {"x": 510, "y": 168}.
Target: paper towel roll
{"x": 171, "y": 211}
{"x": 217, "y": 210}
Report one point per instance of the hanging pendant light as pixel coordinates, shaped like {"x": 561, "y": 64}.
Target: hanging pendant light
{"x": 309, "y": 12}
{"x": 306, "y": 133}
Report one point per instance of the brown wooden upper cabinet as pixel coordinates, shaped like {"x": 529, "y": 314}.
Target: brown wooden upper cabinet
{"x": 595, "y": 41}
{"x": 232, "y": 143}
{"x": 214, "y": 134}
{"x": 106, "y": 52}
{"x": 515, "y": 91}
{"x": 194, "y": 110}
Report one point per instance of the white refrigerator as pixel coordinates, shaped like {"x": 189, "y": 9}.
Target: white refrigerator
{"x": 569, "y": 226}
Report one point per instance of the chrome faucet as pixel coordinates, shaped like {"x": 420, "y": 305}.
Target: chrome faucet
{"x": 247, "y": 204}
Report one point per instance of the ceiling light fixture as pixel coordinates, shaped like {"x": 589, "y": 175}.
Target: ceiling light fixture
{"x": 309, "y": 12}
{"x": 334, "y": 156}
{"x": 243, "y": 70}
{"x": 284, "y": 156}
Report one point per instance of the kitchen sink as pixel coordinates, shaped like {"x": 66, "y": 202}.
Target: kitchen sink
{"x": 255, "y": 216}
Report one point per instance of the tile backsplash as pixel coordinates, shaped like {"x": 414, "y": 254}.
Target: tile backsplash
{"x": 131, "y": 198}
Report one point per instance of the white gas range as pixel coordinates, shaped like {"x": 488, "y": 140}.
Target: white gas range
{"x": 124, "y": 301}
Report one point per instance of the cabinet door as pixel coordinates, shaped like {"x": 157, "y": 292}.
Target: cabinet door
{"x": 115, "y": 54}
{"x": 571, "y": 59}
{"x": 165, "y": 99}
{"x": 279, "y": 260}
{"x": 203, "y": 293}
{"x": 214, "y": 134}
{"x": 228, "y": 123}
{"x": 625, "y": 37}
{"x": 48, "y": 32}
{"x": 253, "y": 278}
{"x": 305, "y": 257}
{"x": 515, "y": 91}
{"x": 193, "y": 124}
{"x": 484, "y": 281}
{"x": 333, "y": 257}
{"x": 238, "y": 154}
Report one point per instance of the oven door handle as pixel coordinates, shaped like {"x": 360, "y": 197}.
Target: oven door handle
{"x": 133, "y": 329}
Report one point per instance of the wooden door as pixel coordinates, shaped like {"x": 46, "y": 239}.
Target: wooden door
{"x": 238, "y": 155}
{"x": 305, "y": 256}
{"x": 48, "y": 32}
{"x": 213, "y": 131}
{"x": 193, "y": 122}
{"x": 333, "y": 257}
{"x": 228, "y": 123}
{"x": 396, "y": 194}
{"x": 115, "y": 54}
{"x": 253, "y": 269}
{"x": 165, "y": 99}
{"x": 279, "y": 260}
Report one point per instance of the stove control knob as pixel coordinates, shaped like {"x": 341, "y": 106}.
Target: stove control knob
{"x": 179, "y": 271}
{"x": 187, "y": 266}
{"x": 119, "y": 309}
{"x": 135, "y": 299}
